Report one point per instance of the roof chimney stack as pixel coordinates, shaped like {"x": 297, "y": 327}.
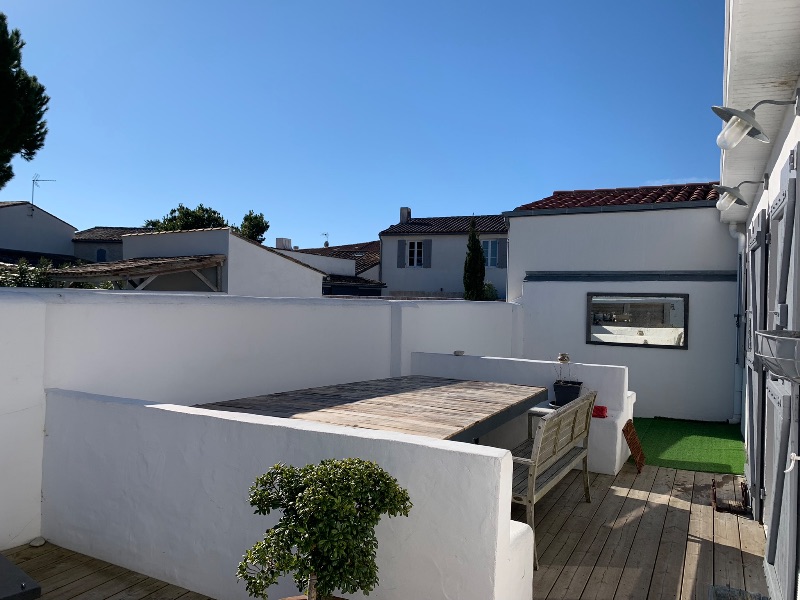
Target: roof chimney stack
{"x": 283, "y": 243}
{"x": 405, "y": 215}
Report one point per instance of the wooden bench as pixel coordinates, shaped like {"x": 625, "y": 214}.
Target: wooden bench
{"x": 550, "y": 453}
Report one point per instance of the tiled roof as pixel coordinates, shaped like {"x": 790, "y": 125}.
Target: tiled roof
{"x": 448, "y": 225}
{"x": 366, "y": 254}
{"x": 107, "y": 234}
{"x": 656, "y": 194}
{"x": 350, "y": 280}
{"x": 12, "y": 203}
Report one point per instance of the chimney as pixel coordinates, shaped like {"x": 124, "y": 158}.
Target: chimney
{"x": 283, "y": 243}
{"x": 405, "y": 215}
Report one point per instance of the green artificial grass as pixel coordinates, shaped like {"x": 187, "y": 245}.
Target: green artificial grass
{"x": 692, "y": 445}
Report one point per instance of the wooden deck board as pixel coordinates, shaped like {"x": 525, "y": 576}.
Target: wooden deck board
{"x": 429, "y": 406}
{"x": 652, "y": 535}
{"x": 68, "y": 575}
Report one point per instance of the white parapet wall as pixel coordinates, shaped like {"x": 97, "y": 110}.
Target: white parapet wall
{"x": 197, "y": 348}
{"x": 162, "y": 489}
{"x": 607, "y": 448}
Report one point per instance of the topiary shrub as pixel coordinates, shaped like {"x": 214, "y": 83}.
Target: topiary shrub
{"x": 326, "y": 534}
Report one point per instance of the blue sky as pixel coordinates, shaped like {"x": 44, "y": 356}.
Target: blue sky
{"x": 327, "y": 116}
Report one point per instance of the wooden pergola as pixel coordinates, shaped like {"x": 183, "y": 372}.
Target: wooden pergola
{"x": 138, "y": 273}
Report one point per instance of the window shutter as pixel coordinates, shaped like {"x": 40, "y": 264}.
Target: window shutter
{"x": 426, "y": 253}
{"x": 401, "y": 254}
{"x": 502, "y": 251}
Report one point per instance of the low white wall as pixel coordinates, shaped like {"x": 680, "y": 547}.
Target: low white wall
{"x": 163, "y": 490}
{"x": 695, "y": 383}
{"x": 607, "y": 448}
{"x": 22, "y": 321}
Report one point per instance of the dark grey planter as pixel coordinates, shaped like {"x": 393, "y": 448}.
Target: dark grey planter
{"x": 566, "y": 391}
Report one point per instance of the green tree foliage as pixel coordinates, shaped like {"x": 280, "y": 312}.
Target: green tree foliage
{"x": 182, "y": 218}
{"x": 22, "y": 104}
{"x": 474, "y": 266}
{"x": 326, "y": 533}
{"x": 253, "y": 226}
{"x": 24, "y": 275}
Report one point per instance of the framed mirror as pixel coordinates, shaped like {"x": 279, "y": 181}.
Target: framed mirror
{"x": 641, "y": 320}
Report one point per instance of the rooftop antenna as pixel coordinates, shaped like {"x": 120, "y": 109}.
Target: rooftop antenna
{"x": 325, "y": 235}
{"x": 35, "y": 183}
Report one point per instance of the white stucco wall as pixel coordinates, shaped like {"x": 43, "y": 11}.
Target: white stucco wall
{"x": 327, "y": 264}
{"x": 254, "y": 270}
{"x": 373, "y": 273}
{"x": 30, "y": 229}
{"x": 175, "y": 243}
{"x": 163, "y": 490}
{"x": 696, "y": 383}
{"x": 446, "y": 273}
{"x": 648, "y": 240}
{"x": 22, "y": 409}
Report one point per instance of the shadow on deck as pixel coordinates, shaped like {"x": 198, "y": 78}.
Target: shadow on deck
{"x": 648, "y": 536}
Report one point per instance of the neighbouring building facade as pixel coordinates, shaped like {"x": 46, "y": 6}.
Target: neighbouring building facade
{"x": 643, "y": 277}
{"x": 102, "y": 244}
{"x": 425, "y": 256}
{"x": 27, "y": 231}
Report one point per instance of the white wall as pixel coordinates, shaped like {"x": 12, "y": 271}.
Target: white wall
{"x": 22, "y": 408}
{"x": 163, "y": 490}
{"x": 447, "y": 266}
{"x": 696, "y": 383}
{"x": 253, "y": 270}
{"x": 373, "y": 273}
{"x": 327, "y": 264}
{"x": 34, "y": 231}
{"x": 649, "y": 240}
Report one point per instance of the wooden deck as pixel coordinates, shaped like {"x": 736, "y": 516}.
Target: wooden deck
{"x": 646, "y": 536}
{"x": 67, "y": 575}
{"x": 435, "y": 407}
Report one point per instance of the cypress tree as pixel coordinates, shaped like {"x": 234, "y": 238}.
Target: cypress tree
{"x": 474, "y": 267}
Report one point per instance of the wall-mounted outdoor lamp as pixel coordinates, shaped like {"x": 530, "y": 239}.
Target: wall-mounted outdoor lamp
{"x": 728, "y": 196}
{"x": 741, "y": 123}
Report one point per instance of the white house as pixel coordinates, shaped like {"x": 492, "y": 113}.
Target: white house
{"x": 643, "y": 277}
{"x": 26, "y": 228}
{"x": 425, "y": 256}
{"x": 762, "y": 63}
{"x": 199, "y": 260}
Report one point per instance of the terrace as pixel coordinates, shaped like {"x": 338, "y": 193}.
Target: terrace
{"x": 133, "y": 473}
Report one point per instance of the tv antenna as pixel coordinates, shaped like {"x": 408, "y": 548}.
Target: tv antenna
{"x": 35, "y": 183}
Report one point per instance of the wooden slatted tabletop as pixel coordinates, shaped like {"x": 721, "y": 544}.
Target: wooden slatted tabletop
{"x": 434, "y": 407}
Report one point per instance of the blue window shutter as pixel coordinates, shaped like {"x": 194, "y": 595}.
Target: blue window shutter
{"x": 426, "y": 253}
{"x": 401, "y": 254}
{"x": 502, "y": 251}
{"x": 101, "y": 255}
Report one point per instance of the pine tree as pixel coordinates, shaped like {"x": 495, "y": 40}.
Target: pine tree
{"x": 474, "y": 265}
{"x": 22, "y": 104}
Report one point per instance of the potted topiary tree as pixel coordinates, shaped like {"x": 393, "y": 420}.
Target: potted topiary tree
{"x": 565, "y": 388}
{"x": 326, "y": 534}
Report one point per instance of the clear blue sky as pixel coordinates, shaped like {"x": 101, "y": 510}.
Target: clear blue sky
{"x": 327, "y": 116}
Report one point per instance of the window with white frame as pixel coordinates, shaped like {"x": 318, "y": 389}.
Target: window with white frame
{"x": 490, "y": 251}
{"x": 415, "y": 254}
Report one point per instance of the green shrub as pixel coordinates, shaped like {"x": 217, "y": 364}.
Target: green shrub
{"x": 326, "y": 534}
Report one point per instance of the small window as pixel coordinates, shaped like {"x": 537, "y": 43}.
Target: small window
{"x": 101, "y": 255}
{"x": 642, "y": 320}
{"x": 415, "y": 254}
{"x": 490, "y": 248}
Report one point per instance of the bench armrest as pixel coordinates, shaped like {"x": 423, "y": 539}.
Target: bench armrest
{"x": 523, "y": 461}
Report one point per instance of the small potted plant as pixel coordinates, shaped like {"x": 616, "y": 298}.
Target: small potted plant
{"x": 326, "y": 534}
{"x": 565, "y": 388}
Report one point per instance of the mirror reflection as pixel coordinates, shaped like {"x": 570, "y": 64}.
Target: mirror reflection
{"x": 638, "y": 320}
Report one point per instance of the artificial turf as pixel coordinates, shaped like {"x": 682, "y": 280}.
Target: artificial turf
{"x": 692, "y": 445}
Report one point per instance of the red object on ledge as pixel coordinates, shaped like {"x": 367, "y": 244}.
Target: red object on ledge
{"x": 600, "y": 412}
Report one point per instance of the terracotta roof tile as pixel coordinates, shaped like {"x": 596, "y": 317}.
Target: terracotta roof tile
{"x": 108, "y": 234}
{"x": 366, "y": 254}
{"x": 448, "y": 225}
{"x": 661, "y": 194}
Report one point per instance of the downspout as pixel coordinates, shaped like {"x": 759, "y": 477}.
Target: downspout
{"x": 738, "y": 372}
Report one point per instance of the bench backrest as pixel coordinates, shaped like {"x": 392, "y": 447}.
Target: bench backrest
{"x": 559, "y": 432}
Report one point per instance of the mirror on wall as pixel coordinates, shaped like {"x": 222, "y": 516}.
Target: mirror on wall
{"x": 646, "y": 320}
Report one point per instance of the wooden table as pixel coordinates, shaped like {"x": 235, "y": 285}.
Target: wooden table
{"x": 446, "y": 409}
